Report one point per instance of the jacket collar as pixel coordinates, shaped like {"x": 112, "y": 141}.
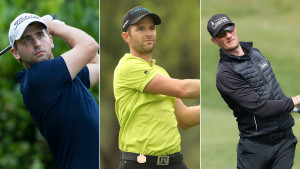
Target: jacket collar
{"x": 246, "y": 46}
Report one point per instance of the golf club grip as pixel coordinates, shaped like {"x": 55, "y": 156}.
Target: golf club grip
{"x": 9, "y": 47}
{"x": 53, "y": 16}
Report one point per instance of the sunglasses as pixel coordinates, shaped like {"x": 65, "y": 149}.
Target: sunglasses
{"x": 222, "y": 33}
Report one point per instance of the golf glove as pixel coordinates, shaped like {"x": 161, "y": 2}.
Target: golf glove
{"x": 297, "y": 109}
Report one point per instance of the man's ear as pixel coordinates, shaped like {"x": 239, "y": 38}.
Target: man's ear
{"x": 126, "y": 37}
{"x": 16, "y": 54}
{"x": 214, "y": 41}
{"x": 51, "y": 39}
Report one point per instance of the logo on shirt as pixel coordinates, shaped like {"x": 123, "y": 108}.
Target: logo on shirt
{"x": 263, "y": 65}
{"x": 146, "y": 72}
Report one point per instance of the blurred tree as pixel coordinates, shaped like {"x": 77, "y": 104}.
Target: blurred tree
{"x": 21, "y": 144}
{"x": 177, "y": 50}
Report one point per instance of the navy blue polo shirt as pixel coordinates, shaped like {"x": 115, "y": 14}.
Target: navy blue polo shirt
{"x": 64, "y": 111}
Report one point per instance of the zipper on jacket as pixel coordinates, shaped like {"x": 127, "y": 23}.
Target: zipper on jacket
{"x": 255, "y": 123}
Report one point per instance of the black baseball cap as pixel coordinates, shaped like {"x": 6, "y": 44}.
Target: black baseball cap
{"x": 135, "y": 14}
{"x": 216, "y": 22}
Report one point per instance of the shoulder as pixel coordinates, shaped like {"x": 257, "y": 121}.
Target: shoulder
{"x": 161, "y": 70}
{"x": 226, "y": 74}
{"x": 130, "y": 64}
{"x": 48, "y": 65}
{"x": 224, "y": 67}
{"x": 49, "y": 70}
{"x": 128, "y": 60}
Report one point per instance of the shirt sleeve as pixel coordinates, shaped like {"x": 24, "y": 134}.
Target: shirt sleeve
{"x": 84, "y": 76}
{"x": 135, "y": 74}
{"x": 235, "y": 90}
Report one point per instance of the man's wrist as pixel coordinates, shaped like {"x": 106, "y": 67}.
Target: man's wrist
{"x": 296, "y": 100}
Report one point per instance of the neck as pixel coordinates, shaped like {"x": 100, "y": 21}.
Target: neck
{"x": 238, "y": 51}
{"x": 145, "y": 56}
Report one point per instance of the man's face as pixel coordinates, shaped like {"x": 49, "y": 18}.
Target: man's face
{"x": 229, "y": 41}
{"x": 142, "y": 36}
{"x": 34, "y": 46}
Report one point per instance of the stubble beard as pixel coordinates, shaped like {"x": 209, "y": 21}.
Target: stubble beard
{"x": 230, "y": 49}
{"x": 143, "y": 49}
{"x": 46, "y": 56}
{"x": 35, "y": 60}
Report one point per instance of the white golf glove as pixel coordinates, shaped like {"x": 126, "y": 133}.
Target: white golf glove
{"x": 296, "y": 109}
{"x": 51, "y": 17}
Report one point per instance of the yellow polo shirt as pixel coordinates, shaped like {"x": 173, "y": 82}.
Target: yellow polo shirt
{"x": 147, "y": 121}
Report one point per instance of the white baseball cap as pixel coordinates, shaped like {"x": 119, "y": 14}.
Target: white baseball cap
{"x": 18, "y": 26}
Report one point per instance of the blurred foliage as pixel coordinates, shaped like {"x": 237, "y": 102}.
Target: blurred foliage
{"x": 21, "y": 144}
{"x": 272, "y": 26}
{"x": 177, "y": 50}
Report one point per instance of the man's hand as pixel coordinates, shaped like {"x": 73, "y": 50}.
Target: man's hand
{"x": 51, "y": 22}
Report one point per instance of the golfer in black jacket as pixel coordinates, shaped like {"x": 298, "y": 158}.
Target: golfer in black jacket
{"x": 248, "y": 85}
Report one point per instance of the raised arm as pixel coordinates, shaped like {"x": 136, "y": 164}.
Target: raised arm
{"x": 94, "y": 69}
{"x": 187, "y": 88}
{"x": 83, "y": 47}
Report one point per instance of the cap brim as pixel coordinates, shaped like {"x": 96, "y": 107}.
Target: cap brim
{"x": 20, "y": 33}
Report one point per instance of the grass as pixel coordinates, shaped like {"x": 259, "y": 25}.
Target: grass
{"x": 220, "y": 137}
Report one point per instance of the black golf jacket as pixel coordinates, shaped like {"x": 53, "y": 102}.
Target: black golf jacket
{"x": 248, "y": 85}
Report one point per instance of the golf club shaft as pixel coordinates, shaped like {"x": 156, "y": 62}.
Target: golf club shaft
{"x": 5, "y": 50}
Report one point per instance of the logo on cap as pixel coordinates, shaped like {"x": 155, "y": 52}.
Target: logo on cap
{"x": 125, "y": 23}
{"x": 22, "y": 19}
{"x": 140, "y": 9}
{"x": 218, "y": 22}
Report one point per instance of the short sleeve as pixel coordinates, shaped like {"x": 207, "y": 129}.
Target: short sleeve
{"x": 84, "y": 76}
{"x": 136, "y": 73}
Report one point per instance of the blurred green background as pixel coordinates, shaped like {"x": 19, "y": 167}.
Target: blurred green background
{"x": 177, "y": 50}
{"x": 273, "y": 26}
{"x": 21, "y": 145}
